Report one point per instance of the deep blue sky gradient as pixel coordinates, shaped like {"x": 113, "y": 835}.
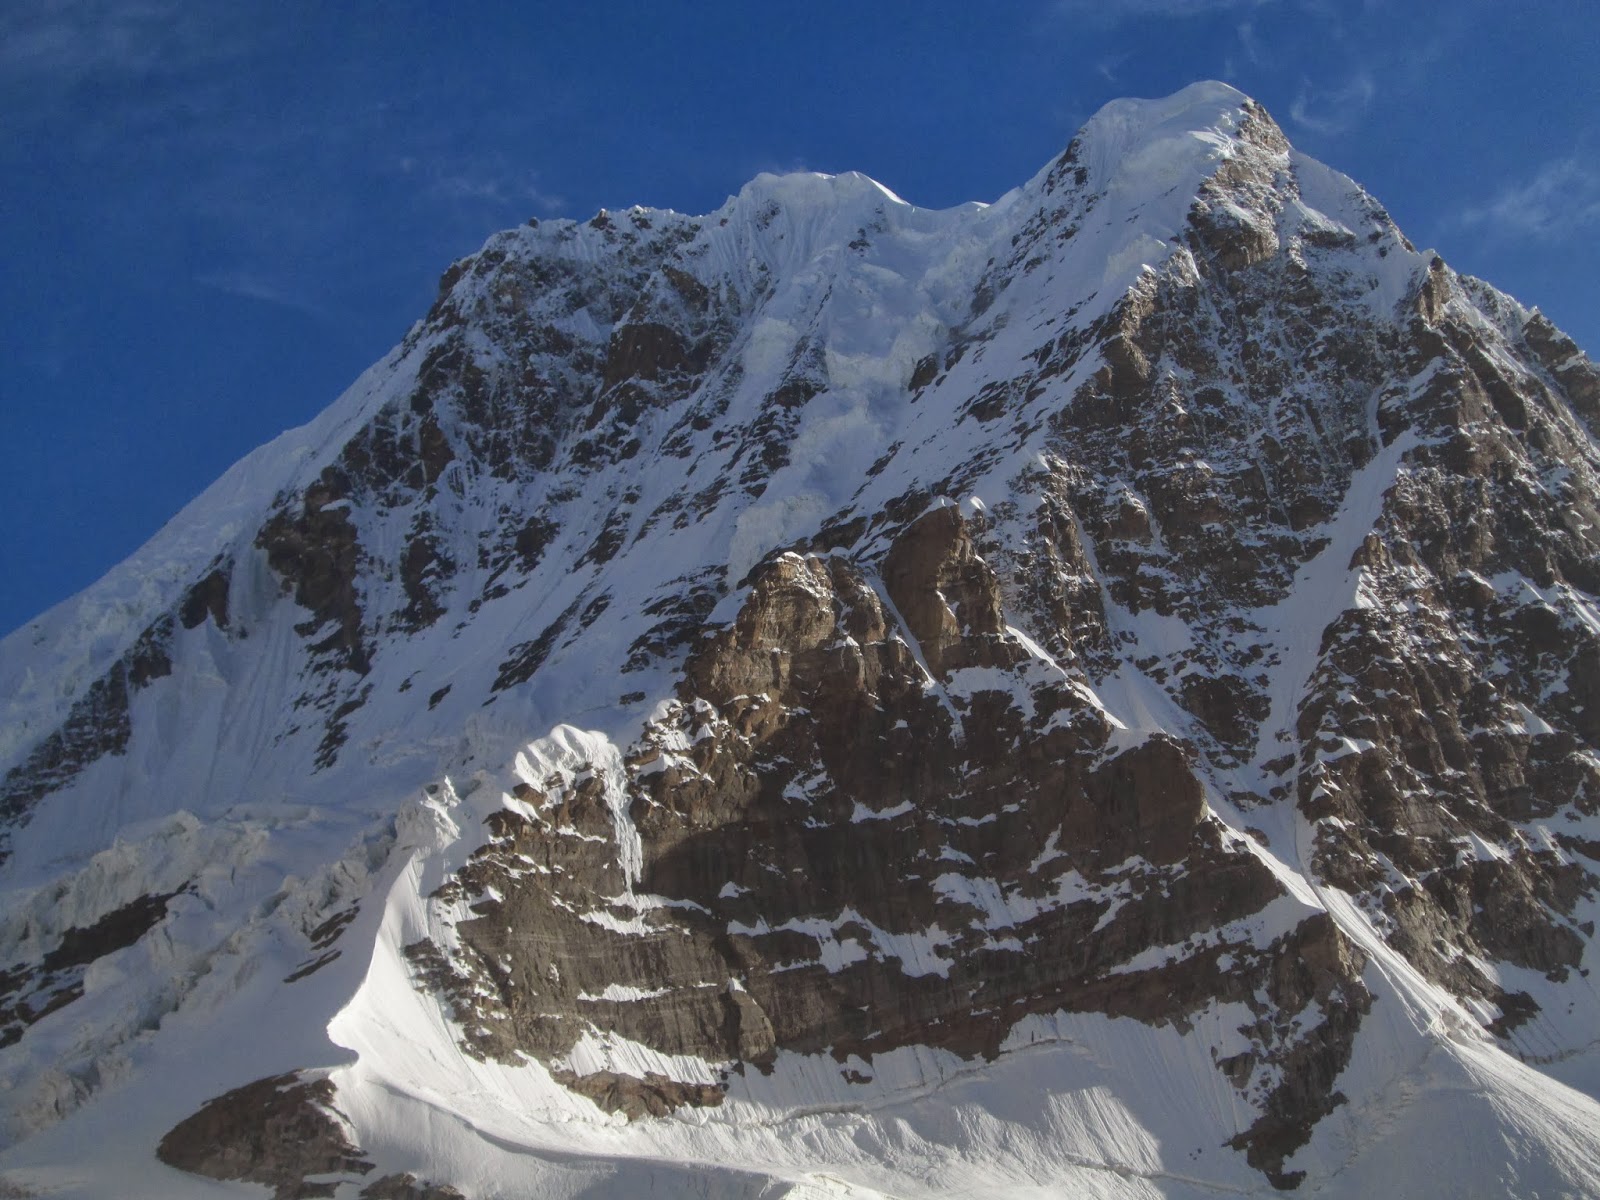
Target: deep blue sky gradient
{"x": 215, "y": 215}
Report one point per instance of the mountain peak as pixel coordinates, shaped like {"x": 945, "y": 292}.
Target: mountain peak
{"x": 856, "y": 691}
{"x": 814, "y": 187}
{"x": 1204, "y": 104}
{"x": 1145, "y": 149}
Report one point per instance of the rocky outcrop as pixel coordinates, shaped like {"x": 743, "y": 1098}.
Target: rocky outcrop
{"x": 275, "y": 1131}
{"x": 317, "y": 553}
{"x": 97, "y": 724}
{"x": 809, "y": 759}
{"x": 281, "y": 1132}
{"x": 406, "y": 1186}
{"x": 30, "y": 992}
{"x": 947, "y": 596}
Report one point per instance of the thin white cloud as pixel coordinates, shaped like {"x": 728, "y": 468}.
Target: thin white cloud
{"x": 1333, "y": 110}
{"x": 53, "y": 44}
{"x": 1113, "y": 12}
{"x": 1249, "y": 42}
{"x": 1109, "y": 67}
{"x": 494, "y": 189}
{"x": 251, "y": 285}
{"x": 779, "y": 166}
{"x": 1563, "y": 198}
{"x": 480, "y": 196}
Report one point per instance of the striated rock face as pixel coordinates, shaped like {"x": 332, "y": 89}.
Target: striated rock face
{"x": 1104, "y": 685}
{"x": 843, "y": 854}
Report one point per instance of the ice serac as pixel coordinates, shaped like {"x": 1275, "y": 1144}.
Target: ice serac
{"x": 1093, "y": 694}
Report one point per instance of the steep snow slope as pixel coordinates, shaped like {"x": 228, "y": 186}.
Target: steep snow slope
{"x": 1093, "y": 694}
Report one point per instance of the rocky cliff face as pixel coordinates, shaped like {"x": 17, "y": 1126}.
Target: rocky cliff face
{"x": 1099, "y": 687}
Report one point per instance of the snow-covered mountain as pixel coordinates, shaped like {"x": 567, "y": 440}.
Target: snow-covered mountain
{"x": 1096, "y": 694}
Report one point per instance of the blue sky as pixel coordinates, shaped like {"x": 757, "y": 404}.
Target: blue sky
{"x": 216, "y": 214}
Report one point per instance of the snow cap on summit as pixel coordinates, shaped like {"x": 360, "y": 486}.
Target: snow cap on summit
{"x": 1134, "y": 145}
{"x": 814, "y": 187}
{"x": 1196, "y": 106}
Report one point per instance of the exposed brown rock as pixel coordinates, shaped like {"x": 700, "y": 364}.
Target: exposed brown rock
{"x": 1145, "y": 801}
{"x": 425, "y": 571}
{"x": 805, "y": 711}
{"x": 947, "y": 596}
{"x": 1315, "y": 965}
{"x": 97, "y": 724}
{"x": 209, "y": 597}
{"x": 275, "y": 1131}
{"x": 1578, "y": 377}
{"x": 408, "y": 1187}
{"x": 653, "y": 1096}
{"x": 645, "y": 350}
{"x": 317, "y": 553}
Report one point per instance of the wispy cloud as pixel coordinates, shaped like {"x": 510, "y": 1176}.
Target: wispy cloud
{"x": 252, "y": 285}
{"x": 1333, "y": 110}
{"x": 1562, "y": 198}
{"x": 272, "y": 190}
{"x": 1110, "y": 65}
{"x": 490, "y": 187}
{"x": 1114, "y": 12}
{"x": 793, "y": 165}
{"x": 1249, "y": 42}
{"x": 51, "y": 45}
